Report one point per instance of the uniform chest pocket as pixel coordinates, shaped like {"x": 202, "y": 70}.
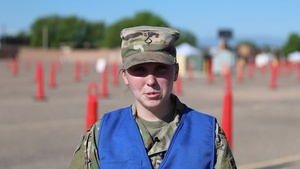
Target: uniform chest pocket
{"x": 114, "y": 164}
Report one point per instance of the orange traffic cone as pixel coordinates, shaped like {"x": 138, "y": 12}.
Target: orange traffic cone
{"x": 104, "y": 85}
{"x": 52, "y": 78}
{"x": 38, "y": 71}
{"x": 210, "y": 75}
{"x": 227, "y": 109}
{"x": 178, "y": 86}
{"x": 77, "y": 71}
{"x": 114, "y": 70}
{"x": 15, "y": 67}
{"x": 92, "y": 106}
{"x": 273, "y": 78}
{"x": 40, "y": 83}
{"x": 298, "y": 71}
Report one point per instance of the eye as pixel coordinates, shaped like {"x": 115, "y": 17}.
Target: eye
{"x": 137, "y": 70}
{"x": 161, "y": 69}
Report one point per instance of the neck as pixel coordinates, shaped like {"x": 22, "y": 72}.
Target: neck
{"x": 154, "y": 114}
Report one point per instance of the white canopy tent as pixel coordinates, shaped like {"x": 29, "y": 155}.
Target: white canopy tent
{"x": 294, "y": 57}
{"x": 187, "y": 50}
{"x": 263, "y": 59}
{"x": 188, "y": 54}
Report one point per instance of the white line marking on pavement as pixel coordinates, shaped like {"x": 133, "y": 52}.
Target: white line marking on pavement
{"x": 270, "y": 163}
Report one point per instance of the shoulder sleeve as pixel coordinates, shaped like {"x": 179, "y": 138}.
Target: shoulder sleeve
{"x": 86, "y": 153}
{"x": 224, "y": 156}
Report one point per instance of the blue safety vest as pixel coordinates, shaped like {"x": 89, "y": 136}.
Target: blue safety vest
{"x": 120, "y": 144}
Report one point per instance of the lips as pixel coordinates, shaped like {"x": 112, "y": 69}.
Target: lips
{"x": 152, "y": 95}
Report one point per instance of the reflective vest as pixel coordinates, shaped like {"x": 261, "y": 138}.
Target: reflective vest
{"x": 120, "y": 144}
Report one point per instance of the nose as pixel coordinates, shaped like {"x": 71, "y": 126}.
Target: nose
{"x": 151, "y": 80}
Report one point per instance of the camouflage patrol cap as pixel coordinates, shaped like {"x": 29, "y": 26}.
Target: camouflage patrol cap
{"x": 144, "y": 44}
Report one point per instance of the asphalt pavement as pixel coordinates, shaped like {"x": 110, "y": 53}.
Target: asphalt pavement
{"x": 43, "y": 133}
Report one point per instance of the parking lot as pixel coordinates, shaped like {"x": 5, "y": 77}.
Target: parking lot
{"x": 44, "y": 133}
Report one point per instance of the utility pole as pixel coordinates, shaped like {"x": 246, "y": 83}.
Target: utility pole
{"x": 45, "y": 37}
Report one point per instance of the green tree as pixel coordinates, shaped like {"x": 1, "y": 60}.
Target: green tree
{"x": 22, "y": 34}
{"x": 44, "y": 32}
{"x": 149, "y": 19}
{"x": 94, "y": 35}
{"x": 186, "y": 36}
{"x": 292, "y": 44}
{"x": 36, "y": 33}
{"x": 58, "y": 31}
{"x": 112, "y": 35}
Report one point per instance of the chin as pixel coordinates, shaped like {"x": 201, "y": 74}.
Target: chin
{"x": 153, "y": 104}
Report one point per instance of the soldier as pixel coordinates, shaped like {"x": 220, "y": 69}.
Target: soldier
{"x": 157, "y": 130}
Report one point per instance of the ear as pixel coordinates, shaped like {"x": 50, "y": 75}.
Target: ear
{"x": 176, "y": 72}
{"x": 125, "y": 80}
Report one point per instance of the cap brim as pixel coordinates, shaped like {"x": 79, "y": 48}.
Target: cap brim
{"x": 148, "y": 57}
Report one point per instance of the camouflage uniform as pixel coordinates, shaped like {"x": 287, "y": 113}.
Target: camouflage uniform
{"x": 145, "y": 44}
{"x": 86, "y": 154}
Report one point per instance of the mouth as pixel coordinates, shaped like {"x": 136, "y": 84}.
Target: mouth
{"x": 152, "y": 95}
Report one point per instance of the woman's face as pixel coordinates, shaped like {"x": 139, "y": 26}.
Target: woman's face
{"x": 151, "y": 83}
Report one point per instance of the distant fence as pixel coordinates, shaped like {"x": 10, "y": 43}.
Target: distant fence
{"x": 70, "y": 55}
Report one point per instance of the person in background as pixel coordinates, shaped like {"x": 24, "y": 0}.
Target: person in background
{"x": 157, "y": 130}
{"x": 223, "y": 59}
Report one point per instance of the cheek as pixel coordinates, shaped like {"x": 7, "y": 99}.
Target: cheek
{"x": 166, "y": 82}
{"x": 135, "y": 83}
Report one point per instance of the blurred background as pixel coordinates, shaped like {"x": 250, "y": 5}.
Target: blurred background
{"x": 248, "y": 29}
{"x": 51, "y": 51}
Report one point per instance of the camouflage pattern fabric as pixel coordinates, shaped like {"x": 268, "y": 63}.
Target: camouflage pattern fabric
{"x": 143, "y": 44}
{"x": 155, "y": 147}
{"x": 86, "y": 154}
